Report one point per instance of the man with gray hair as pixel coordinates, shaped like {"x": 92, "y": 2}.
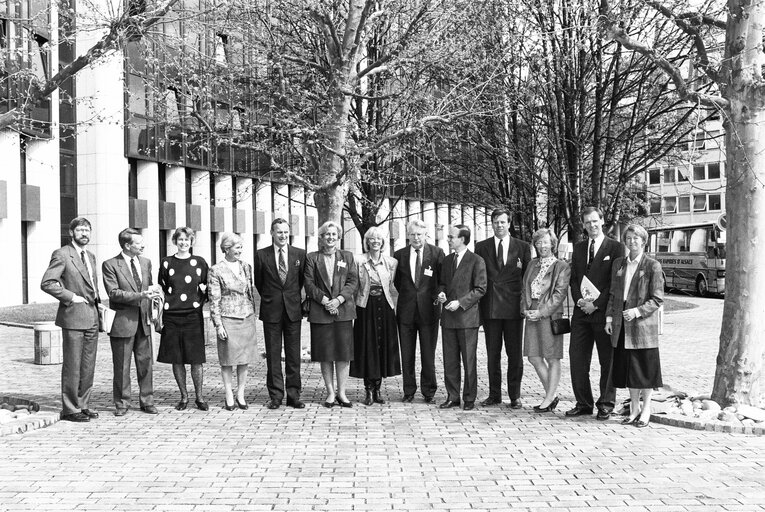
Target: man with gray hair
{"x": 416, "y": 279}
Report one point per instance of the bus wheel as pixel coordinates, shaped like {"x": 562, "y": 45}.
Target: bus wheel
{"x": 701, "y": 287}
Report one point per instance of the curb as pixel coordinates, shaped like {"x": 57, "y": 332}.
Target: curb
{"x": 708, "y": 426}
{"x": 44, "y": 417}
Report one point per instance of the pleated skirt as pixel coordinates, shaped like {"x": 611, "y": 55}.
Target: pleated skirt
{"x": 375, "y": 341}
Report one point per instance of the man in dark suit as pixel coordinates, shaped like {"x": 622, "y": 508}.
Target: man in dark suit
{"x": 278, "y": 275}
{"x": 462, "y": 285}
{"x": 416, "y": 280}
{"x": 506, "y": 260}
{"x": 72, "y": 279}
{"x": 128, "y": 282}
{"x": 592, "y": 258}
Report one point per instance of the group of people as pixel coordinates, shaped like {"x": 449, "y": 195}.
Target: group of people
{"x": 366, "y": 314}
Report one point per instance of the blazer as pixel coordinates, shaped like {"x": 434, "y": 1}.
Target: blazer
{"x": 345, "y": 282}
{"x": 503, "y": 293}
{"x": 230, "y": 295}
{"x": 556, "y": 279}
{"x": 386, "y": 271}
{"x": 646, "y": 293}
{"x": 66, "y": 276}
{"x": 132, "y": 310}
{"x": 412, "y": 299}
{"x": 600, "y": 275}
{"x": 276, "y": 298}
{"x": 467, "y": 285}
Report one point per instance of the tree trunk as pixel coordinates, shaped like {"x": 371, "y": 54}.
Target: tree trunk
{"x": 739, "y": 374}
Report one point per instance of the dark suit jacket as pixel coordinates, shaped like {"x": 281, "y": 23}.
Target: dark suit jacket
{"x": 467, "y": 285}
{"x": 132, "y": 310}
{"x": 277, "y": 298}
{"x": 345, "y": 282}
{"x": 646, "y": 293}
{"x": 66, "y": 276}
{"x": 503, "y": 294}
{"x": 600, "y": 275}
{"x": 409, "y": 295}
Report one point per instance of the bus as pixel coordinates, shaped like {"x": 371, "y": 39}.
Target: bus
{"x": 692, "y": 256}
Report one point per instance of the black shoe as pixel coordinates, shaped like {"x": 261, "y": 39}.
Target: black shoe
{"x": 89, "y": 413}
{"x": 182, "y": 405}
{"x": 449, "y": 404}
{"x": 469, "y": 406}
{"x": 376, "y": 398}
{"x": 641, "y": 424}
{"x": 629, "y": 421}
{"x": 490, "y": 401}
{"x": 368, "y": 398}
{"x": 242, "y": 406}
{"x": 229, "y": 407}
{"x": 428, "y": 399}
{"x": 76, "y": 417}
{"x": 579, "y": 410}
{"x": 329, "y": 405}
{"x": 603, "y": 414}
{"x": 549, "y": 408}
{"x": 120, "y": 412}
{"x": 202, "y": 405}
{"x": 149, "y": 409}
{"x": 409, "y": 398}
{"x": 273, "y": 404}
{"x": 344, "y": 404}
{"x": 516, "y": 403}
{"x": 296, "y": 404}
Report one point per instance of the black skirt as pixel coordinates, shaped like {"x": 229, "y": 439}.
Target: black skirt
{"x": 183, "y": 338}
{"x": 635, "y": 368}
{"x": 375, "y": 341}
{"x": 332, "y": 342}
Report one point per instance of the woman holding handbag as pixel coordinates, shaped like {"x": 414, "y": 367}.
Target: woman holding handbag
{"x": 545, "y": 287}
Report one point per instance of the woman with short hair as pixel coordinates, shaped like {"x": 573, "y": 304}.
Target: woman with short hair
{"x": 375, "y": 333}
{"x": 183, "y": 278}
{"x": 331, "y": 280}
{"x": 637, "y": 292}
{"x": 232, "y": 309}
{"x": 545, "y": 288}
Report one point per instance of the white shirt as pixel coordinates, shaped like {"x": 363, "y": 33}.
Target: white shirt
{"x": 286, "y": 254}
{"x": 598, "y": 243}
{"x": 459, "y": 255}
{"x": 630, "y": 273}
{"x": 413, "y": 259}
{"x": 80, "y": 251}
{"x": 505, "y": 246}
{"x": 137, "y": 264}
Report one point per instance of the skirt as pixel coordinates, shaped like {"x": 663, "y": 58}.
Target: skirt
{"x": 241, "y": 345}
{"x": 183, "y": 338}
{"x": 635, "y": 368}
{"x": 332, "y": 342}
{"x": 539, "y": 340}
{"x": 375, "y": 341}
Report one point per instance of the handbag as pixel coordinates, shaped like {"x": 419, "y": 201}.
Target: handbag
{"x": 157, "y": 310}
{"x": 561, "y": 325}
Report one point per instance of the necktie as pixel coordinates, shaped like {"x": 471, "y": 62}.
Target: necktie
{"x": 136, "y": 277}
{"x": 282, "y": 267}
{"x": 456, "y": 262}
{"x": 590, "y": 254}
{"x": 500, "y": 255}
{"x": 417, "y": 268}
{"x": 82, "y": 257}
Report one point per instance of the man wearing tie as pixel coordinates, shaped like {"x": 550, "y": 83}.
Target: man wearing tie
{"x": 463, "y": 284}
{"x": 506, "y": 261}
{"x": 128, "y": 282}
{"x": 278, "y": 275}
{"x": 592, "y": 258}
{"x": 72, "y": 279}
{"x": 416, "y": 279}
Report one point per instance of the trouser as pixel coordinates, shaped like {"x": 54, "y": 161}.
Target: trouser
{"x": 140, "y": 347}
{"x": 512, "y": 332}
{"x": 583, "y": 336}
{"x": 276, "y": 381}
{"x": 460, "y": 344}
{"x": 79, "y": 364}
{"x": 407, "y": 334}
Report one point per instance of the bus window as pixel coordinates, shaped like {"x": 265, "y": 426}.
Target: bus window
{"x": 662, "y": 239}
{"x": 679, "y": 241}
{"x": 699, "y": 240}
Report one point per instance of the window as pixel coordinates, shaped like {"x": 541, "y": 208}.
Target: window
{"x": 699, "y": 172}
{"x": 221, "y": 53}
{"x": 700, "y": 203}
{"x": 713, "y": 171}
{"x": 669, "y": 175}
{"x": 654, "y": 176}
{"x": 681, "y": 176}
{"x": 698, "y": 142}
{"x": 670, "y": 205}
{"x": 714, "y": 202}
{"x": 655, "y": 205}
{"x": 684, "y": 204}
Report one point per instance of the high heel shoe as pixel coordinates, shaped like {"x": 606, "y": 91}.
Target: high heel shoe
{"x": 629, "y": 421}
{"x": 182, "y": 405}
{"x": 228, "y": 407}
{"x": 242, "y": 406}
{"x": 344, "y": 404}
{"x": 202, "y": 405}
{"x": 549, "y": 408}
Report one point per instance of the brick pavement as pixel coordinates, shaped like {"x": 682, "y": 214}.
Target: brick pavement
{"x": 391, "y": 457}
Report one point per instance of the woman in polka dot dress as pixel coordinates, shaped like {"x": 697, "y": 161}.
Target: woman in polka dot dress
{"x": 183, "y": 278}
